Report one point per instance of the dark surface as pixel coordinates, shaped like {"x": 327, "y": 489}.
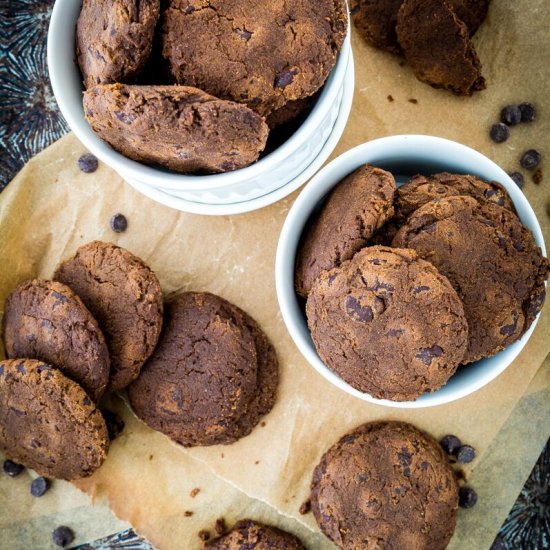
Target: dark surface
{"x": 30, "y": 121}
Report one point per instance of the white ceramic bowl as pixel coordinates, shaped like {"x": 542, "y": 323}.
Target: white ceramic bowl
{"x": 285, "y": 165}
{"x": 404, "y": 156}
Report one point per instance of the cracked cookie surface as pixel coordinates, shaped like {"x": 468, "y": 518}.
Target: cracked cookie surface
{"x": 261, "y": 53}
{"x": 46, "y": 320}
{"x": 388, "y": 323}
{"x": 47, "y": 422}
{"x": 386, "y": 485}
{"x": 124, "y": 296}
{"x": 491, "y": 260}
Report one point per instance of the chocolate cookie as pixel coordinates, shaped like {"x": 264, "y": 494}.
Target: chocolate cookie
{"x": 212, "y": 376}
{"x": 47, "y": 422}
{"x": 388, "y": 323}
{"x": 354, "y": 210}
{"x": 490, "y": 259}
{"x": 437, "y": 46}
{"x": 261, "y": 53}
{"x": 471, "y": 12}
{"x": 386, "y": 485}
{"x": 251, "y": 535}
{"x": 179, "y": 127}
{"x": 124, "y": 296}
{"x": 114, "y": 39}
{"x": 46, "y": 320}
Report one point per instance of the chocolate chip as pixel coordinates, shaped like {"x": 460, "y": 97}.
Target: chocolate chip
{"x": 88, "y": 163}
{"x": 426, "y": 355}
{"x": 115, "y": 424}
{"x": 194, "y": 492}
{"x": 12, "y": 469}
{"x": 517, "y": 178}
{"x": 530, "y": 159}
{"x": 450, "y": 444}
{"x": 188, "y": 513}
{"x": 39, "y": 486}
{"x": 284, "y": 79}
{"x": 219, "y": 527}
{"x": 528, "y": 112}
{"x": 62, "y": 535}
{"x": 119, "y": 223}
{"x": 357, "y": 311}
{"x": 244, "y": 34}
{"x": 413, "y": 101}
{"x": 499, "y": 132}
{"x": 390, "y": 98}
{"x": 510, "y": 115}
{"x": 305, "y": 507}
{"x": 465, "y": 454}
{"x": 204, "y": 535}
{"x": 467, "y": 497}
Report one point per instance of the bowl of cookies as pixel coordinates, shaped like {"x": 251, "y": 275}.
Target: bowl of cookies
{"x": 411, "y": 271}
{"x": 208, "y": 107}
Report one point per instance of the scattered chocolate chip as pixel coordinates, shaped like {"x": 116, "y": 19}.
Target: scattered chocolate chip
{"x": 12, "y": 469}
{"x": 499, "y": 132}
{"x": 219, "y": 527}
{"x": 467, "y": 497}
{"x": 39, "y": 486}
{"x": 188, "y": 513}
{"x": 412, "y": 100}
{"x": 510, "y": 115}
{"x": 62, "y": 535}
{"x": 460, "y": 475}
{"x": 88, "y": 163}
{"x": 528, "y": 112}
{"x": 450, "y": 444}
{"x": 390, "y": 98}
{"x": 115, "y": 424}
{"x": 194, "y": 492}
{"x": 204, "y": 535}
{"x": 119, "y": 223}
{"x": 537, "y": 176}
{"x": 517, "y": 177}
{"x": 305, "y": 508}
{"x": 465, "y": 454}
{"x": 530, "y": 159}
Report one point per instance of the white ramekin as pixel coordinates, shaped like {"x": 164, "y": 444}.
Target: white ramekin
{"x": 403, "y": 156}
{"x": 284, "y": 166}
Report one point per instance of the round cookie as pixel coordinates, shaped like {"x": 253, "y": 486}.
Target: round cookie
{"x": 47, "y": 422}
{"x": 252, "y": 535}
{"x": 492, "y": 261}
{"x": 46, "y": 320}
{"x": 385, "y": 482}
{"x": 471, "y": 12}
{"x": 212, "y": 376}
{"x": 261, "y": 53}
{"x": 125, "y": 297}
{"x": 388, "y": 323}
{"x": 437, "y": 46}
{"x": 114, "y": 39}
{"x": 354, "y": 210}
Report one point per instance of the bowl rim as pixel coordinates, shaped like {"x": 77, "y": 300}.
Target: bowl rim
{"x": 299, "y": 213}
{"x": 149, "y": 175}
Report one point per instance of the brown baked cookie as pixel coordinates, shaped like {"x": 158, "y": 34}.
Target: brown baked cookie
{"x": 179, "y": 127}
{"x": 114, "y": 39}
{"x": 251, "y": 535}
{"x": 386, "y": 485}
{"x": 388, "y": 323}
{"x": 491, "y": 260}
{"x": 124, "y": 296}
{"x": 437, "y": 46}
{"x": 354, "y": 210}
{"x": 261, "y": 53}
{"x": 47, "y": 422}
{"x": 212, "y": 376}
{"x": 46, "y": 320}
{"x": 471, "y": 12}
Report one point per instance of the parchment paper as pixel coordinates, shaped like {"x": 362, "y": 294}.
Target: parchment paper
{"x": 51, "y": 208}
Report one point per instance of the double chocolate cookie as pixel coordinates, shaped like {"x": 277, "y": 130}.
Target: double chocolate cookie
{"x": 355, "y": 209}
{"x": 47, "y": 422}
{"x": 46, "y": 320}
{"x": 212, "y": 377}
{"x": 179, "y": 127}
{"x": 125, "y": 297}
{"x": 388, "y": 323}
{"x": 386, "y": 485}
{"x": 491, "y": 260}
{"x": 114, "y": 39}
{"x": 251, "y": 535}
{"x": 263, "y": 54}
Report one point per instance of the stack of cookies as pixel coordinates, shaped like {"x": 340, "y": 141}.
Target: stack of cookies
{"x": 208, "y": 378}
{"x": 405, "y": 285}
{"x": 197, "y": 85}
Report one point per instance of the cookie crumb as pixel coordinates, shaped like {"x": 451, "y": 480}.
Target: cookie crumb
{"x": 537, "y": 176}
{"x": 88, "y": 163}
{"x": 219, "y": 527}
{"x": 62, "y": 535}
{"x": 194, "y": 492}
{"x": 412, "y": 100}
{"x": 204, "y": 535}
{"x": 460, "y": 475}
{"x": 263, "y": 424}
{"x": 390, "y": 98}
{"x": 119, "y": 223}
{"x": 256, "y": 462}
{"x": 222, "y": 455}
{"x": 188, "y": 513}
{"x": 150, "y": 457}
{"x": 39, "y": 486}
{"x": 305, "y": 508}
